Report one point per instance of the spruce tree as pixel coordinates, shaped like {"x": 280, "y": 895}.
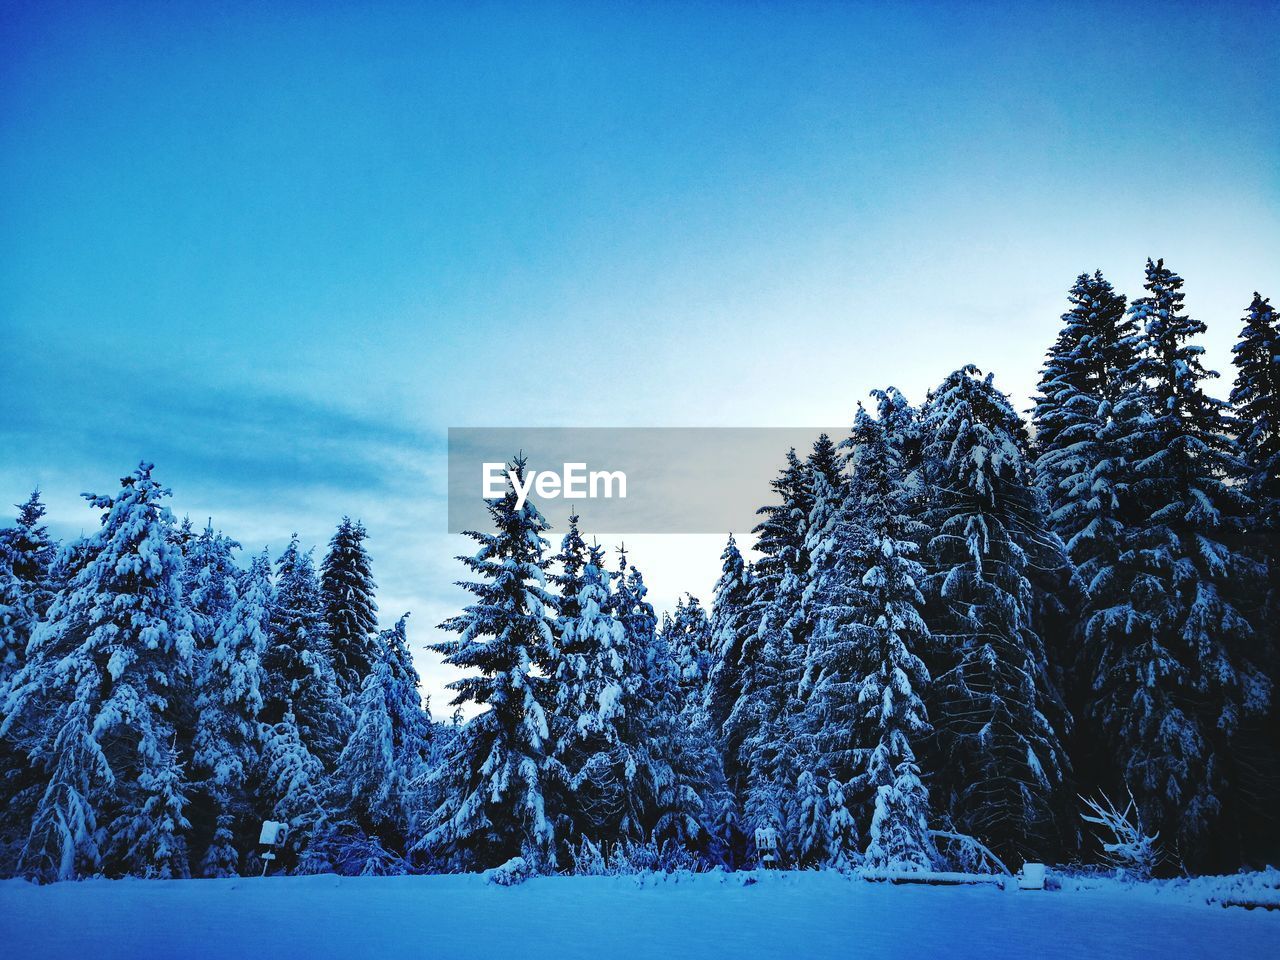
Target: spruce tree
{"x": 864, "y": 674}
{"x": 495, "y": 807}
{"x": 813, "y": 821}
{"x": 351, "y": 615}
{"x": 728, "y": 632}
{"x": 208, "y": 581}
{"x": 892, "y": 634}
{"x": 26, "y": 589}
{"x": 1001, "y": 764}
{"x": 97, "y": 693}
{"x": 570, "y": 561}
{"x": 1256, "y": 399}
{"x": 227, "y": 748}
{"x": 680, "y": 785}
{"x": 1088, "y": 364}
{"x": 378, "y": 775}
{"x": 759, "y": 750}
{"x": 292, "y": 783}
{"x": 1173, "y": 682}
{"x": 688, "y": 636}
{"x": 902, "y": 425}
{"x": 209, "y": 576}
{"x": 299, "y": 660}
{"x": 598, "y": 703}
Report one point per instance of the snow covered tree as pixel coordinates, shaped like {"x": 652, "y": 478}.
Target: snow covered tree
{"x": 679, "y": 788}
{"x": 209, "y": 575}
{"x": 1256, "y": 398}
{"x": 570, "y": 561}
{"x": 833, "y": 737}
{"x": 600, "y": 746}
{"x": 1172, "y": 681}
{"x": 209, "y": 582}
{"x": 760, "y": 755}
{"x": 227, "y": 747}
{"x": 26, "y": 561}
{"x": 292, "y": 782}
{"x": 97, "y": 695}
{"x": 902, "y": 425}
{"x": 688, "y": 636}
{"x": 890, "y": 633}
{"x": 1087, "y": 392}
{"x": 495, "y": 805}
{"x": 298, "y": 660}
{"x": 379, "y": 771}
{"x": 1088, "y": 364}
{"x": 27, "y": 588}
{"x": 728, "y": 628}
{"x": 351, "y": 615}
{"x": 863, "y": 673}
{"x": 813, "y": 821}
{"x": 1001, "y": 765}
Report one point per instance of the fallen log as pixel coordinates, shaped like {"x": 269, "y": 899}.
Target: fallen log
{"x": 932, "y": 877}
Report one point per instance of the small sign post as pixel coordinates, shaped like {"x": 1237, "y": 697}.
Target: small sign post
{"x": 767, "y": 847}
{"x": 272, "y": 837}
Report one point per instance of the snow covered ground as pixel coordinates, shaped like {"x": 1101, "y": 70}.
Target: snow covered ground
{"x": 781, "y": 915}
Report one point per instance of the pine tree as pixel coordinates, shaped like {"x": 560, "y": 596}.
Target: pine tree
{"x": 351, "y": 615}
{"x": 813, "y": 821}
{"x": 688, "y": 636}
{"x": 902, "y": 425}
{"x": 760, "y": 757}
{"x": 1256, "y": 401}
{"x": 1087, "y": 365}
{"x": 863, "y": 673}
{"x": 26, "y": 561}
{"x": 98, "y": 693}
{"x": 208, "y": 582}
{"x": 679, "y": 783}
{"x": 598, "y": 702}
{"x": 292, "y": 781}
{"x": 1002, "y": 766}
{"x": 1171, "y": 683}
{"x": 227, "y": 748}
{"x": 834, "y": 738}
{"x": 571, "y": 559}
{"x": 728, "y": 632}
{"x": 495, "y": 808}
{"x": 1088, "y": 390}
{"x": 379, "y": 771}
{"x": 842, "y": 830}
{"x": 299, "y": 661}
{"x": 209, "y": 575}
{"x": 891, "y": 633}
{"x": 1256, "y": 398}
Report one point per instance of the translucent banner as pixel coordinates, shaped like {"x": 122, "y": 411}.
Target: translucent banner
{"x": 626, "y": 479}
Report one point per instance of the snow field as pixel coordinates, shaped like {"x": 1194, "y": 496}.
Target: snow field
{"x": 702, "y": 916}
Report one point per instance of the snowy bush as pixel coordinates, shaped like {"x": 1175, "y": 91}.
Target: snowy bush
{"x": 628, "y": 859}
{"x": 1125, "y": 845}
{"x": 352, "y": 855}
{"x": 515, "y": 871}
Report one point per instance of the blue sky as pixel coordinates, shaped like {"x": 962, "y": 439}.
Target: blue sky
{"x": 280, "y": 248}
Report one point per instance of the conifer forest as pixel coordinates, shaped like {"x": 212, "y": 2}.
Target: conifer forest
{"x": 961, "y": 630}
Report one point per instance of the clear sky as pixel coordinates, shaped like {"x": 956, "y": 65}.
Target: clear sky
{"x": 279, "y": 248}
